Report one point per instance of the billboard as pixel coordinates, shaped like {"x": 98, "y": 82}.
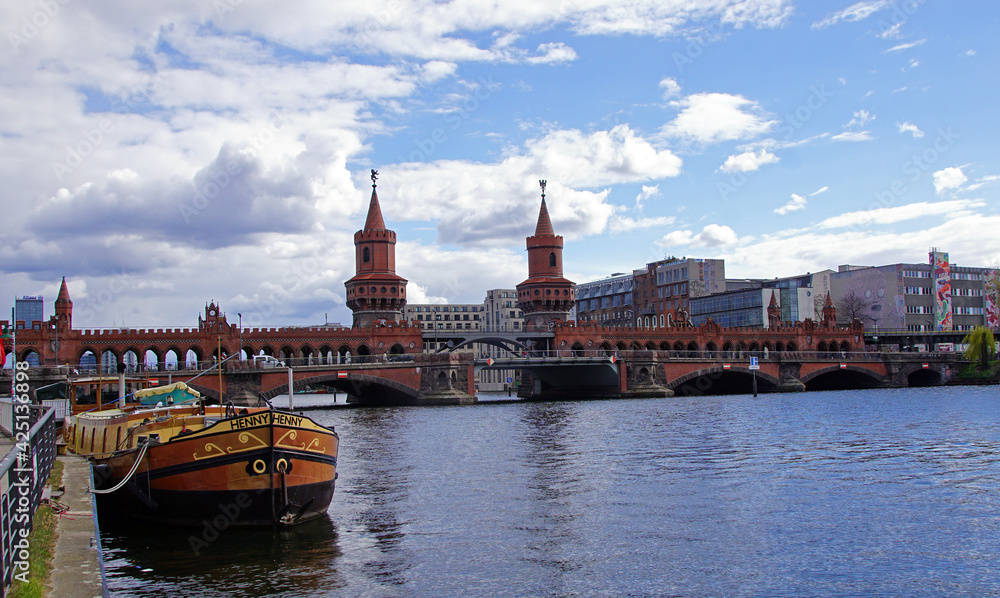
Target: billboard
{"x": 942, "y": 290}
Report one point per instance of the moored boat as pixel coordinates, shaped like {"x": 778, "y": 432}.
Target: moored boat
{"x": 186, "y": 464}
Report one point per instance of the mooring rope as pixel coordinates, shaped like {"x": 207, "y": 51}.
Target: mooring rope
{"x": 135, "y": 467}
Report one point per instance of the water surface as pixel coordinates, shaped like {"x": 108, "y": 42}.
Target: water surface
{"x": 847, "y": 493}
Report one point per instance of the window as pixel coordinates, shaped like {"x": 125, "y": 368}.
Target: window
{"x": 552, "y": 260}
{"x": 366, "y": 255}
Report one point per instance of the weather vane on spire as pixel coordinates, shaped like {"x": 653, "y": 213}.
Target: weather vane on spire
{"x": 374, "y": 176}
{"x": 542, "y": 185}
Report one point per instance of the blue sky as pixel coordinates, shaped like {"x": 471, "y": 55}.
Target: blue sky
{"x": 160, "y": 157}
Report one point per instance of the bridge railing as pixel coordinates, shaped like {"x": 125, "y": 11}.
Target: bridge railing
{"x": 727, "y": 356}
{"x": 23, "y": 473}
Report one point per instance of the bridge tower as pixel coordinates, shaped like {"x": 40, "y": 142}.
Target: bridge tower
{"x": 64, "y": 309}
{"x": 375, "y": 293}
{"x": 545, "y": 296}
{"x": 773, "y": 312}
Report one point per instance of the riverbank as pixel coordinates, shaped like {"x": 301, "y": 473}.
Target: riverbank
{"x": 76, "y": 563}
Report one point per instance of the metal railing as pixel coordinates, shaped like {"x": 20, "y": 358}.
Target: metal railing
{"x": 710, "y": 355}
{"x": 24, "y": 472}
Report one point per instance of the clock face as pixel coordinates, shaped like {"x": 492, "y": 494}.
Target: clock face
{"x": 211, "y": 312}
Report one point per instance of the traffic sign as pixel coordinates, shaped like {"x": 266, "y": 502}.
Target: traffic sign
{"x": 341, "y": 374}
{"x": 753, "y": 364}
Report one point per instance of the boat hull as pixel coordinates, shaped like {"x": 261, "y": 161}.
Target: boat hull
{"x": 263, "y": 468}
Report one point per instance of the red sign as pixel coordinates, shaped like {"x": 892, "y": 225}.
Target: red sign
{"x": 341, "y": 374}
{"x": 926, "y": 365}
{"x": 725, "y": 366}
{"x": 843, "y": 366}
{"x": 154, "y": 381}
{"x": 489, "y": 361}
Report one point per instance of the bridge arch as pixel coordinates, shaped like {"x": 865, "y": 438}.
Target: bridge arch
{"x": 837, "y": 378}
{"x": 716, "y": 380}
{"x": 367, "y": 389}
{"x": 29, "y": 356}
{"x": 506, "y": 344}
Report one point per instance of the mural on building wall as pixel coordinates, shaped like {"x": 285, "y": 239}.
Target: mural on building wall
{"x": 990, "y": 299}
{"x": 882, "y": 291}
{"x": 942, "y": 290}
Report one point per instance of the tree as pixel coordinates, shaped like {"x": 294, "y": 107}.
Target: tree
{"x": 853, "y": 306}
{"x": 981, "y": 346}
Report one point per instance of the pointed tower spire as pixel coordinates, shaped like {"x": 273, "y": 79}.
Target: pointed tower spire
{"x": 544, "y": 226}
{"x": 773, "y": 312}
{"x": 64, "y": 308}
{"x": 374, "y": 220}
{"x": 829, "y": 311}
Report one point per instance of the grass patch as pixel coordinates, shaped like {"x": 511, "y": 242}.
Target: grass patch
{"x": 43, "y": 546}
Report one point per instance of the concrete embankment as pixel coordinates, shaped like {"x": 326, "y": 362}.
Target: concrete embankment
{"x": 76, "y": 571}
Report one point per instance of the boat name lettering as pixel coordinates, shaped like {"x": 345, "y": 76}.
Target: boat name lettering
{"x": 250, "y": 421}
{"x": 287, "y": 420}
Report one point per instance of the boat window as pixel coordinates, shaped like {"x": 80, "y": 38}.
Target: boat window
{"x": 104, "y": 441}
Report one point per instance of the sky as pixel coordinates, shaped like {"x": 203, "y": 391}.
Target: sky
{"x": 160, "y": 156}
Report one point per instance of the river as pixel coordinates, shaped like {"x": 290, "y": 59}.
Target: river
{"x": 890, "y": 492}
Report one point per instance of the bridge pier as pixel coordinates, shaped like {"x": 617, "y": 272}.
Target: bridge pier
{"x": 447, "y": 380}
{"x": 789, "y": 376}
{"x": 644, "y": 376}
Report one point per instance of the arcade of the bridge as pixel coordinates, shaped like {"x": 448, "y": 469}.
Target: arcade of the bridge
{"x": 169, "y": 356}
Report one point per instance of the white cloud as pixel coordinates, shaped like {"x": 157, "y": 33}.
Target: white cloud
{"x": 748, "y": 161}
{"x": 712, "y": 235}
{"x": 860, "y": 119}
{"x": 714, "y": 117}
{"x": 902, "y": 213}
{"x": 796, "y": 203}
{"x": 553, "y": 53}
{"x": 906, "y": 46}
{"x": 625, "y": 224}
{"x": 487, "y": 203}
{"x": 853, "y": 136}
{"x": 822, "y": 189}
{"x": 983, "y": 181}
{"x": 948, "y": 179}
{"x": 676, "y": 239}
{"x": 855, "y": 12}
{"x": 647, "y": 192}
{"x": 908, "y": 127}
{"x": 670, "y": 88}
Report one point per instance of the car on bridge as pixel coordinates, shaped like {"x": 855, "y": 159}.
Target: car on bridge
{"x": 267, "y": 361}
